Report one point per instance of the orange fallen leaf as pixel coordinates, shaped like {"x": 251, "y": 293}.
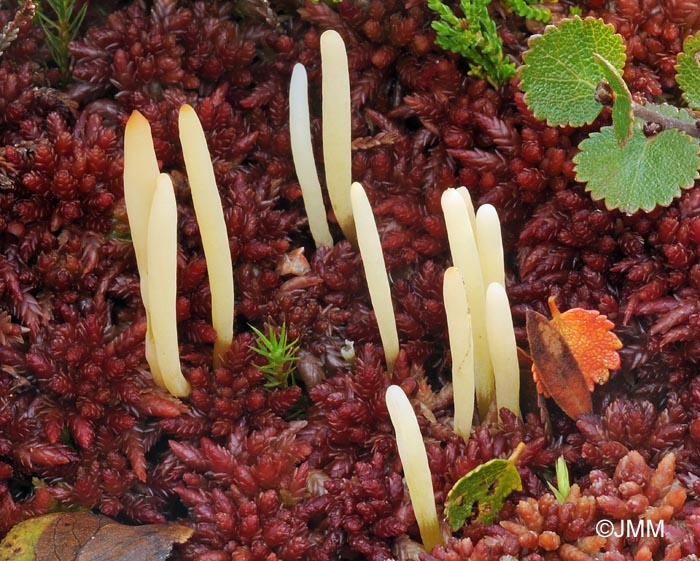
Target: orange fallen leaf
{"x": 83, "y": 536}
{"x": 588, "y": 339}
{"x": 591, "y": 340}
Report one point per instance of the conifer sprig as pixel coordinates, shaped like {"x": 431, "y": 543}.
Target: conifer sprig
{"x": 61, "y": 25}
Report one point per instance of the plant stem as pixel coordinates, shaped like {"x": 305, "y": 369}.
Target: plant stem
{"x": 665, "y": 121}
{"x": 516, "y": 453}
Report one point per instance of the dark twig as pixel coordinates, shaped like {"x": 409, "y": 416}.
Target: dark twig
{"x": 651, "y": 116}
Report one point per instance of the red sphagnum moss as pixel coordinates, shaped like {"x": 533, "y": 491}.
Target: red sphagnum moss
{"x": 313, "y": 473}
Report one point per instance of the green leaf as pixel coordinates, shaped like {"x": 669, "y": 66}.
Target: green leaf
{"x": 688, "y": 69}
{"x": 640, "y": 175}
{"x": 561, "y": 498}
{"x": 488, "y": 485}
{"x": 560, "y": 75}
{"x": 561, "y": 491}
{"x": 622, "y": 112}
{"x": 21, "y": 542}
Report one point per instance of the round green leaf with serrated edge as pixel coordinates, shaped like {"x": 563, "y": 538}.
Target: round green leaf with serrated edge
{"x": 622, "y": 113}
{"x": 688, "y": 69}
{"x": 643, "y": 173}
{"x": 560, "y": 75}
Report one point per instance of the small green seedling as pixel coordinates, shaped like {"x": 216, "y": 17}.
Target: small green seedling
{"x": 280, "y": 354}
{"x": 561, "y": 491}
{"x": 572, "y": 72}
{"x": 488, "y": 486}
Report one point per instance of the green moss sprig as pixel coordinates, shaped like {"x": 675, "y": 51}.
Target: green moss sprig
{"x": 281, "y": 356}
{"x": 525, "y": 9}
{"x": 476, "y": 38}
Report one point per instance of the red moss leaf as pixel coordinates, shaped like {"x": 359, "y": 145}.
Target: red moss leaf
{"x": 134, "y": 448}
{"x": 160, "y": 403}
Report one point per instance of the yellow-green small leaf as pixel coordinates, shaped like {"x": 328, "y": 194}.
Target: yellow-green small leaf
{"x": 488, "y": 486}
{"x": 560, "y": 75}
{"x": 21, "y": 542}
{"x": 622, "y": 113}
{"x": 688, "y": 69}
{"x": 642, "y": 174}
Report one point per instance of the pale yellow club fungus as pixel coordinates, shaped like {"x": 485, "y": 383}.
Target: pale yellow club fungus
{"x": 140, "y": 175}
{"x": 465, "y": 256}
{"x": 503, "y": 349}
{"x": 414, "y": 460}
{"x": 464, "y": 193}
{"x": 161, "y": 251}
{"x": 375, "y": 273}
{"x": 303, "y": 155}
{"x": 212, "y": 227}
{"x": 459, "y": 327}
{"x": 335, "y": 106}
{"x": 490, "y": 244}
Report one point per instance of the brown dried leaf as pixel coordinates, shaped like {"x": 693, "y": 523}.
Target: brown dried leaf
{"x": 293, "y": 263}
{"x": 559, "y": 375}
{"x": 83, "y": 536}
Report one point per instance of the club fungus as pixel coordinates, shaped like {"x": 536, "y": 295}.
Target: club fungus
{"x": 375, "y": 272}
{"x": 464, "y": 193}
{"x": 490, "y": 244}
{"x": 465, "y": 257}
{"x": 140, "y": 175}
{"x": 303, "y": 155}
{"x": 335, "y": 91}
{"x": 212, "y": 227}
{"x": 161, "y": 253}
{"x": 502, "y": 347}
{"x": 459, "y": 326}
{"x": 79, "y": 412}
{"x": 415, "y": 465}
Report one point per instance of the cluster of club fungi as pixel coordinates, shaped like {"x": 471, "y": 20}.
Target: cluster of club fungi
{"x": 310, "y": 470}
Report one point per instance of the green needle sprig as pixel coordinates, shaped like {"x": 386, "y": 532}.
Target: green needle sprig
{"x": 61, "y": 28}
{"x": 281, "y": 356}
